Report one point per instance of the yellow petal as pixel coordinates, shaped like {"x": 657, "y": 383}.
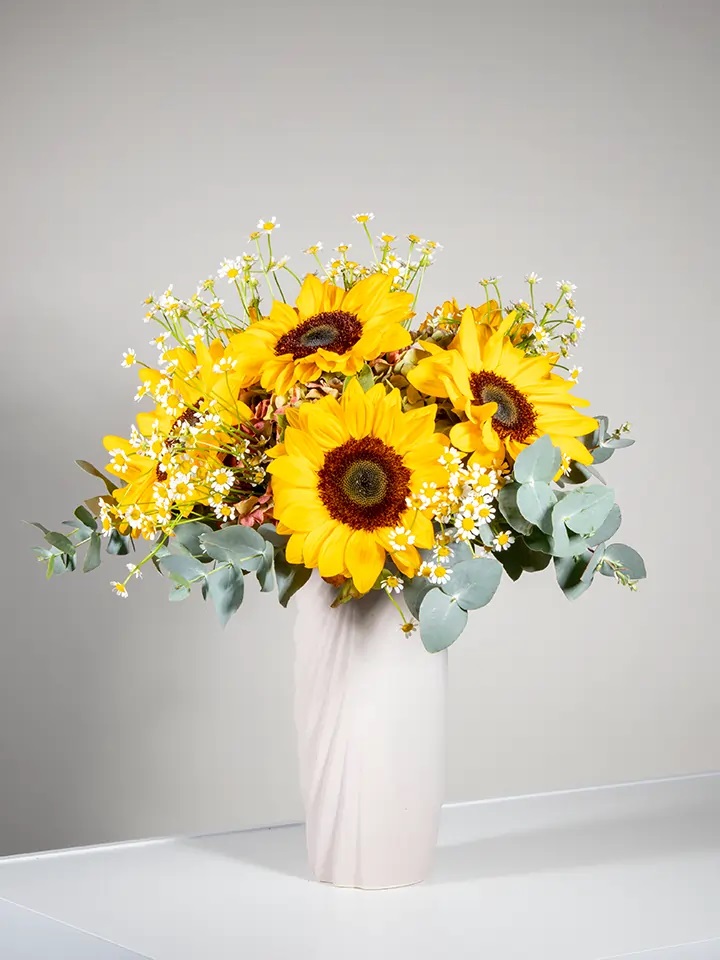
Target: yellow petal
{"x": 331, "y": 558}
{"x": 364, "y": 559}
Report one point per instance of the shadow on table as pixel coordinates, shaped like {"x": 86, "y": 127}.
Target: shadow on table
{"x": 592, "y": 843}
{"x": 279, "y": 849}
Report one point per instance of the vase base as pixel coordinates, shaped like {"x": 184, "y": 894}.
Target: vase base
{"x": 368, "y": 887}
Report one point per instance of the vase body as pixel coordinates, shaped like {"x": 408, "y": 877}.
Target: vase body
{"x": 370, "y": 718}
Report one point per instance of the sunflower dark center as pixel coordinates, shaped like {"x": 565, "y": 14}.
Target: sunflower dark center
{"x": 364, "y": 484}
{"x": 334, "y": 330}
{"x": 515, "y": 415}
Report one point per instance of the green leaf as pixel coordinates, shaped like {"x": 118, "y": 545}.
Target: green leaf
{"x": 519, "y": 558}
{"x": 535, "y": 501}
{"x": 618, "y": 443}
{"x": 60, "y": 542}
{"x": 227, "y": 588}
{"x": 629, "y": 559}
{"x": 415, "y": 589}
{"x": 94, "y": 472}
{"x": 602, "y": 454}
{"x": 86, "y": 518}
{"x": 118, "y": 544}
{"x": 584, "y": 511}
{"x": 442, "y": 620}
{"x": 569, "y": 571}
{"x": 594, "y": 439}
{"x": 365, "y": 377}
{"x": 184, "y": 566}
{"x": 265, "y": 573}
{"x": 38, "y": 526}
{"x": 268, "y": 531}
{"x": 538, "y": 462}
{"x": 179, "y": 591}
{"x": 290, "y": 577}
{"x": 508, "y": 506}
{"x": 607, "y": 529}
{"x": 241, "y": 546}
{"x": 92, "y": 557}
{"x": 473, "y": 582}
{"x": 188, "y": 536}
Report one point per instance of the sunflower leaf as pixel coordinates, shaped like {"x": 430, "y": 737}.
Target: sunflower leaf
{"x": 442, "y": 620}
{"x": 473, "y": 582}
{"x": 538, "y": 462}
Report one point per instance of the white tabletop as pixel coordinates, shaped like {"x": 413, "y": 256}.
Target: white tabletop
{"x": 580, "y": 875}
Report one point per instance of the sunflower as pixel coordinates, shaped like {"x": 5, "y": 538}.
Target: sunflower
{"x": 330, "y": 330}
{"x": 343, "y": 478}
{"x": 508, "y": 399}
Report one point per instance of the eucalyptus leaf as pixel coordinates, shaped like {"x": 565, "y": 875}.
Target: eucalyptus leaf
{"x": 94, "y": 472}
{"x": 602, "y": 454}
{"x": 633, "y": 565}
{"x": 86, "y": 518}
{"x": 473, "y": 582}
{"x": 179, "y": 591}
{"x": 60, "y": 542}
{"x": 569, "y": 572}
{"x": 415, "y": 589}
{"x": 118, "y": 544}
{"x": 265, "y": 573}
{"x": 584, "y": 511}
{"x": 442, "y": 620}
{"x": 268, "y": 531}
{"x": 183, "y": 565}
{"x": 188, "y": 536}
{"x": 226, "y": 586}
{"x": 38, "y": 526}
{"x": 618, "y": 443}
{"x": 92, "y": 557}
{"x": 538, "y": 462}
{"x": 290, "y": 577}
{"x": 535, "y": 502}
{"x": 508, "y": 506}
{"x": 239, "y": 545}
{"x": 607, "y": 529}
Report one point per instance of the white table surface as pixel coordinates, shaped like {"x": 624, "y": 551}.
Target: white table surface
{"x": 580, "y": 875}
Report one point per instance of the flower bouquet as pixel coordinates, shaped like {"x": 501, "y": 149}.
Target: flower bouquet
{"x": 327, "y": 430}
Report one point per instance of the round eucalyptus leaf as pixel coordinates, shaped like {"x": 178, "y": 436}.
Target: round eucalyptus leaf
{"x": 629, "y": 559}
{"x": 535, "y": 501}
{"x": 442, "y": 620}
{"x": 538, "y": 462}
{"x": 473, "y": 582}
{"x": 508, "y": 506}
{"x": 583, "y": 511}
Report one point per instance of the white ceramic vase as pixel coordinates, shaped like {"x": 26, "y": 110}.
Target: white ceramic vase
{"x": 370, "y": 717}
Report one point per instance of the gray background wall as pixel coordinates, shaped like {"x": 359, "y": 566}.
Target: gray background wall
{"x": 141, "y": 143}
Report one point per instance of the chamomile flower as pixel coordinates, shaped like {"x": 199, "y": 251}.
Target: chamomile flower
{"x": 440, "y": 574}
{"x": 483, "y": 479}
{"x": 222, "y": 479}
{"x": 578, "y": 323}
{"x": 267, "y": 226}
{"x": 401, "y": 537}
{"x": 532, "y": 278}
{"x": 450, "y": 458}
{"x": 119, "y": 588}
{"x": 415, "y": 239}
{"x": 224, "y": 364}
{"x": 226, "y": 511}
{"x": 575, "y": 373}
{"x": 276, "y": 265}
{"x": 503, "y": 541}
{"x": 314, "y": 248}
{"x": 386, "y": 238}
{"x": 485, "y": 512}
{"x": 466, "y": 525}
{"x": 425, "y": 570}
{"x": 230, "y": 269}
{"x": 443, "y": 551}
{"x": 159, "y": 340}
{"x": 565, "y": 287}
{"x": 343, "y": 247}
{"x": 409, "y": 626}
{"x": 129, "y": 358}
{"x": 135, "y": 570}
{"x": 119, "y": 460}
{"x": 392, "y": 584}
{"x": 363, "y": 217}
